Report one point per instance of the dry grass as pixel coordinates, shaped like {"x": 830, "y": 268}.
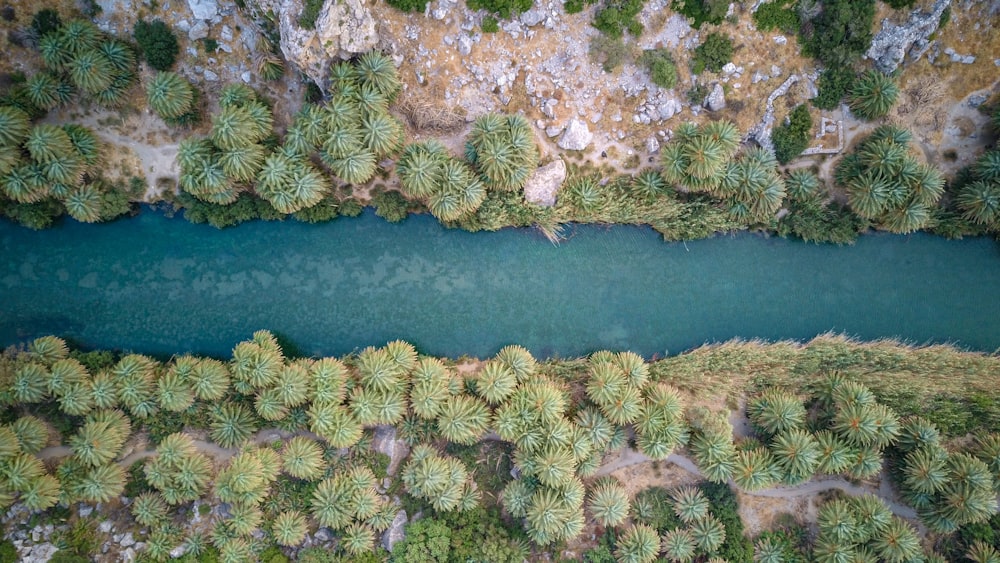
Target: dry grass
{"x": 426, "y": 112}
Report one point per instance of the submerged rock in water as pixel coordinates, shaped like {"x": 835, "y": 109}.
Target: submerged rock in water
{"x": 543, "y": 185}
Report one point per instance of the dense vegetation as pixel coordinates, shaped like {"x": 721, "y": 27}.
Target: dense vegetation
{"x": 558, "y": 417}
{"x": 157, "y": 42}
{"x": 712, "y": 54}
{"x": 792, "y": 137}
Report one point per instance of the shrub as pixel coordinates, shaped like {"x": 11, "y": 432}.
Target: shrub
{"x": 713, "y": 54}
{"x": 777, "y": 15}
{"x": 899, "y": 4}
{"x": 791, "y": 138}
{"x": 417, "y": 6}
{"x": 45, "y": 21}
{"x": 503, "y": 8}
{"x": 618, "y": 16}
{"x": 390, "y": 205}
{"x": 702, "y": 11}
{"x": 490, "y": 25}
{"x": 834, "y": 83}
{"x": 660, "y": 65}
{"x": 310, "y": 11}
{"x": 609, "y": 52}
{"x": 157, "y": 42}
{"x": 209, "y": 45}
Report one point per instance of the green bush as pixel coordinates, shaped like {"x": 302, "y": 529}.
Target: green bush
{"x": 310, "y": 11}
{"x": 777, "y": 15}
{"x": 899, "y": 4}
{"x": 490, "y": 25}
{"x": 791, "y": 138}
{"x": 415, "y": 6}
{"x": 660, "y": 65}
{"x": 245, "y": 208}
{"x": 390, "y": 205}
{"x": 702, "y": 11}
{"x": 8, "y": 554}
{"x": 157, "y": 43}
{"x": 427, "y": 540}
{"x": 618, "y": 16}
{"x": 834, "y": 83}
{"x": 503, "y": 8}
{"x": 652, "y": 506}
{"x": 724, "y": 506}
{"x": 210, "y": 45}
{"x": 609, "y": 52}
{"x": 713, "y": 54}
{"x": 576, "y": 6}
{"x": 45, "y": 21}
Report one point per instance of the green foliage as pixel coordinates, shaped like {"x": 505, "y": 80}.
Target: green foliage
{"x": 505, "y": 9}
{"x": 502, "y": 149}
{"x": 609, "y": 52}
{"x": 576, "y": 6}
{"x": 713, "y": 53}
{"x": 45, "y": 21}
{"x": 900, "y": 4}
{"x": 490, "y": 25}
{"x": 791, "y": 138}
{"x": 660, "y": 65}
{"x": 873, "y": 95}
{"x": 157, "y": 43}
{"x": 415, "y": 6}
{"x": 310, "y": 11}
{"x": 777, "y": 15}
{"x": 616, "y": 17}
{"x": 837, "y": 35}
{"x": 390, "y": 205}
{"x": 702, "y": 11}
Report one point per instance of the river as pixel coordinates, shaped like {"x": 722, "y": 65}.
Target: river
{"x": 161, "y": 285}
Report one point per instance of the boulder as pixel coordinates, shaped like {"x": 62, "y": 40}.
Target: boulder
{"x": 385, "y": 442}
{"x": 716, "y": 100}
{"x": 576, "y": 137}
{"x": 198, "y": 31}
{"x": 544, "y": 183}
{"x": 203, "y": 9}
{"x": 344, "y": 28}
{"x": 892, "y": 42}
{"x": 395, "y": 532}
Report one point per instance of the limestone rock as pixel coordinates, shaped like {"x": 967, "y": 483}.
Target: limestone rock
{"x": 652, "y": 145}
{"x": 716, "y": 100}
{"x": 576, "y": 137}
{"x": 198, "y": 31}
{"x": 343, "y": 29}
{"x": 395, "y": 532}
{"x": 464, "y": 45}
{"x": 892, "y": 42}
{"x": 203, "y": 9}
{"x": 544, "y": 183}
{"x": 386, "y": 442}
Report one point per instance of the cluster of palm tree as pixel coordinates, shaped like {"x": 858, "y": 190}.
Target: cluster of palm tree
{"x": 24, "y": 478}
{"x": 502, "y": 148}
{"x": 449, "y": 186}
{"x": 948, "y": 488}
{"x": 979, "y": 200}
{"x": 178, "y": 470}
{"x": 348, "y": 502}
{"x": 708, "y": 159}
{"x": 701, "y": 533}
{"x": 863, "y": 529}
{"x": 50, "y": 162}
{"x": 873, "y": 95}
{"x": 887, "y": 184}
{"x": 77, "y": 55}
{"x": 441, "y": 480}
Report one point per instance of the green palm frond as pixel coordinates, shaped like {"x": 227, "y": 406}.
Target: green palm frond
{"x": 381, "y": 134}
{"x": 463, "y": 419}
{"x": 231, "y": 424}
{"x": 91, "y": 72}
{"x": 236, "y": 95}
{"x": 649, "y": 184}
{"x": 47, "y": 142}
{"x": 169, "y": 95}
{"x": 233, "y": 127}
{"x": 289, "y": 528}
{"x": 84, "y": 204}
{"x": 356, "y": 168}
{"x": 679, "y": 545}
{"x": 802, "y": 185}
{"x": 48, "y": 349}
{"x": 377, "y": 70}
{"x": 868, "y": 195}
{"x": 242, "y": 163}
{"x": 873, "y": 95}
{"x": 335, "y": 424}
{"x": 55, "y": 51}
{"x": 119, "y": 54}
{"x": 80, "y": 36}
{"x": 980, "y": 202}
{"x": 43, "y": 90}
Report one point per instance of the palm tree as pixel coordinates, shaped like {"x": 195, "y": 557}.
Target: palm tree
{"x": 254, "y": 365}
{"x": 43, "y": 90}
{"x": 898, "y": 543}
{"x": 980, "y": 202}
{"x": 101, "y": 483}
{"x": 80, "y": 35}
{"x": 608, "y": 502}
{"x": 649, "y": 184}
{"x": 289, "y": 528}
{"x": 724, "y": 133}
{"x": 755, "y": 469}
{"x": 690, "y": 504}
{"x": 872, "y": 515}
{"x": 65, "y": 373}
{"x": 91, "y": 72}
{"x": 381, "y": 134}
{"x": 679, "y": 545}
{"x": 495, "y": 382}
{"x": 797, "y": 455}
{"x": 638, "y": 544}
{"x": 84, "y": 204}
{"x": 834, "y": 455}
{"x": 982, "y": 552}
{"x": 209, "y": 379}
{"x": 708, "y": 534}
{"x": 802, "y": 185}
{"x": 419, "y": 168}
{"x": 30, "y": 384}
{"x": 594, "y": 426}
{"x": 244, "y": 518}
{"x": 868, "y": 195}
{"x": 21, "y": 470}
{"x": 32, "y": 434}
{"x": 231, "y": 424}
{"x": 837, "y": 521}
{"x": 76, "y": 399}
{"x": 357, "y": 539}
{"x": 873, "y": 95}
{"x": 169, "y": 95}
{"x": 829, "y": 550}
{"x": 46, "y": 349}
{"x": 776, "y": 411}
{"x": 96, "y": 443}
{"x": 463, "y": 419}
{"x": 865, "y": 463}
{"x": 767, "y": 550}
{"x": 149, "y": 509}
{"x": 41, "y": 493}
{"x": 715, "y": 455}
{"x": 376, "y": 70}
{"x": 925, "y": 470}
{"x": 335, "y": 424}
{"x": 519, "y": 360}
{"x": 554, "y": 466}
{"x": 605, "y": 383}
{"x": 329, "y": 376}
{"x": 516, "y": 497}
{"x": 331, "y": 503}
{"x": 47, "y": 143}
{"x": 354, "y": 168}
{"x": 233, "y": 127}
{"x": 705, "y": 158}
{"x": 175, "y": 393}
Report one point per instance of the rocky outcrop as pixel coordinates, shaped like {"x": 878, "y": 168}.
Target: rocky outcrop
{"x": 543, "y": 184}
{"x": 343, "y": 29}
{"x": 576, "y": 137}
{"x": 396, "y": 532}
{"x": 716, "y": 100}
{"x": 891, "y": 44}
{"x": 385, "y": 441}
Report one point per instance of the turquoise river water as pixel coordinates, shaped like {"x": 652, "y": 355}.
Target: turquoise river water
{"x": 158, "y": 285}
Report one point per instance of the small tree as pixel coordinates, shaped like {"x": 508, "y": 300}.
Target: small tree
{"x": 157, "y": 42}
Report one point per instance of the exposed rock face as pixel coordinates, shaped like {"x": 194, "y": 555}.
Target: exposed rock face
{"x": 892, "y": 42}
{"x": 543, "y": 184}
{"x": 576, "y": 137}
{"x": 716, "y": 100}
{"x": 203, "y": 9}
{"x": 395, "y": 532}
{"x": 386, "y": 442}
{"x": 344, "y": 28}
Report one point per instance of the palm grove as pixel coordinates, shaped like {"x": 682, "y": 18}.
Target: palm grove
{"x": 560, "y": 424}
